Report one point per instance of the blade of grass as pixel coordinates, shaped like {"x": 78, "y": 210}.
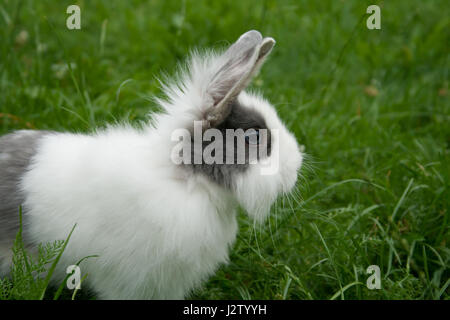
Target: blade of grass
{"x": 19, "y": 241}
{"x": 402, "y": 198}
{"x": 53, "y": 267}
{"x": 76, "y": 289}
{"x": 341, "y": 291}
{"x": 331, "y": 259}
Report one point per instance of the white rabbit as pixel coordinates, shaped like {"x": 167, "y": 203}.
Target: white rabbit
{"x": 159, "y": 228}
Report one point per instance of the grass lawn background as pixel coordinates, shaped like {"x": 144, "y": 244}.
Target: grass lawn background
{"x": 371, "y": 108}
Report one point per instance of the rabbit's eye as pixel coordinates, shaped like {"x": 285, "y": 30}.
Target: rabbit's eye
{"x": 252, "y": 137}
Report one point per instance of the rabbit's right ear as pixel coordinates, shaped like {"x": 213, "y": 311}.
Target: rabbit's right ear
{"x": 241, "y": 61}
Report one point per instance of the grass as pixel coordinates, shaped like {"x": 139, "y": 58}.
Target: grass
{"x": 30, "y": 277}
{"x": 371, "y": 108}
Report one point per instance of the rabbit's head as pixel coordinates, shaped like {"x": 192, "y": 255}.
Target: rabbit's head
{"x": 227, "y": 136}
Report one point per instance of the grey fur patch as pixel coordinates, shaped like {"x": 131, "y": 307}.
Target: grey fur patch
{"x": 16, "y": 151}
{"x": 239, "y": 118}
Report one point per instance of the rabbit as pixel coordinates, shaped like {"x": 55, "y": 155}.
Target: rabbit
{"x": 159, "y": 228}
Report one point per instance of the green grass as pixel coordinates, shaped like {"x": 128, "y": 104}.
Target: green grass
{"x": 371, "y": 108}
{"x": 30, "y": 274}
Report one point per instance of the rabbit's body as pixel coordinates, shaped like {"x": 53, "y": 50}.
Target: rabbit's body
{"x": 159, "y": 228}
{"x": 156, "y": 233}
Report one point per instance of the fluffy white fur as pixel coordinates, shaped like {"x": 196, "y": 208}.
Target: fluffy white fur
{"x": 159, "y": 230}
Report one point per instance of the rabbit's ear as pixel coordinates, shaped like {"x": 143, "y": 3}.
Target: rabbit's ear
{"x": 240, "y": 62}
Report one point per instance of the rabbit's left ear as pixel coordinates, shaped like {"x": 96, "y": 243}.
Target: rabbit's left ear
{"x": 241, "y": 61}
